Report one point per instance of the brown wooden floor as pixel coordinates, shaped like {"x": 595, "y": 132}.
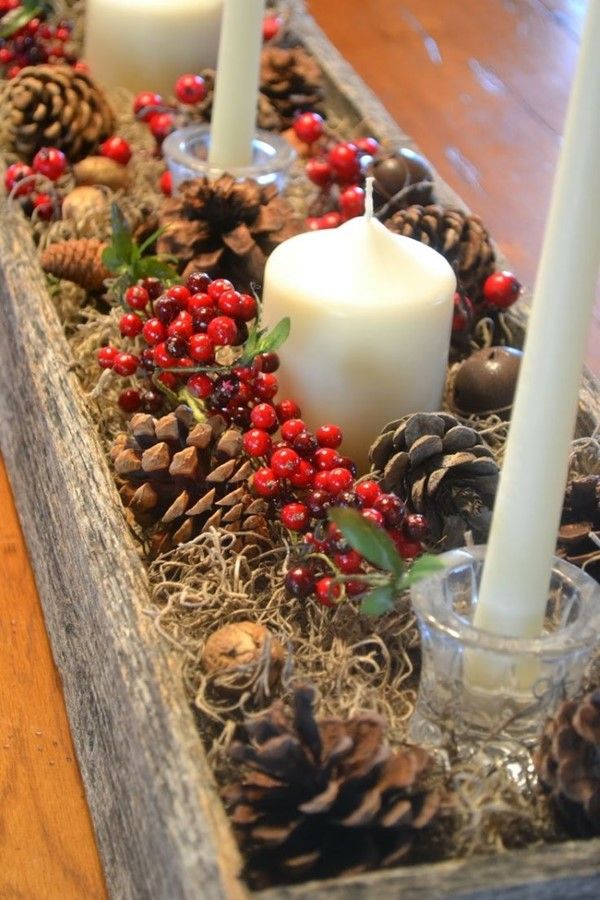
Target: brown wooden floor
{"x": 482, "y": 86}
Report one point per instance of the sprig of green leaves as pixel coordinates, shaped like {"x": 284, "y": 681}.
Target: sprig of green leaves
{"x": 261, "y": 340}
{"x": 125, "y": 258}
{"x": 17, "y": 18}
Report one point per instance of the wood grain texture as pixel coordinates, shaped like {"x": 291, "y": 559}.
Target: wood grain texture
{"x": 47, "y": 846}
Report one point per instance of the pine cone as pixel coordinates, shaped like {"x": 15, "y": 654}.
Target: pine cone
{"x": 292, "y": 81}
{"x": 179, "y": 478}
{"x": 568, "y": 764}
{"x": 225, "y": 227}
{"x": 458, "y": 236}
{"x": 443, "y": 470}
{"x": 56, "y": 106}
{"x": 324, "y": 798}
{"x": 78, "y": 260}
{"x": 580, "y": 520}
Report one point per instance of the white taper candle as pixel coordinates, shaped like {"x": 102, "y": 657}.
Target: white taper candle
{"x": 236, "y": 86}
{"x": 518, "y": 562}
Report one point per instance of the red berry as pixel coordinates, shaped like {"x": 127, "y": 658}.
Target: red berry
{"x": 181, "y": 326}
{"x": 190, "y": 89}
{"x": 137, "y": 297}
{"x": 161, "y": 125}
{"x": 264, "y": 416}
{"x": 270, "y": 27}
{"x": 168, "y": 379}
{"x": 165, "y": 183}
{"x": 343, "y": 159}
{"x": 330, "y": 220}
{"x": 125, "y": 364}
{"x": 291, "y": 428}
{"x": 373, "y": 515}
{"x": 163, "y": 359}
{"x": 257, "y": 442}
{"x": 130, "y": 325}
{"x": 349, "y": 562}
{"x": 352, "y": 202}
{"x": 247, "y": 308}
{"x": 304, "y": 443}
{"x": 152, "y": 285}
{"x": 265, "y": 386}
{"x": 200, "y": 385}
{"x": 44, "y": 205}
{"x": 152, "y": 402}
{"x": 327, "y": 591}
{"x": 320, "y": 481}
{"x": 222, "y": 330}
{"x": 326, "y": 458}
{"x": 295, "y": 516}
{"x": 501, "y": 289}
{"x": 415, "y": 527}
{"x": 117, "y": 149}
{"x": 355, "y": 587}
{"x": 106, "y": 356}
{"x": 392, "y": 508}
{"x": 166, "y": 309}
{"x": 367, "y": 492}
{"x": 130, "y": 400}
{"x": 265, "y": 482}
{"x": 50, "y": 162}
{"x": 201, "y": 348}
{"x": 338, "y": 480}
{"x": 287, "y": 409}
{"x": 229, "y": 303}
{"x": 319, "y": 172}
{"x": 329, "y": 436}
{"x": 269, "y": 362}
{"x": 180, "y": 294}
{"x": 407, "y": 548}
{"x": 145, "y": 103}
{"x": 16, "y": 173}
{"x": 303, "y": 476}
{"x": 153, "y": 331}
{"x": 284, "y": 462}
{"x": 308, "y": 127}
{"x": 300, "y": 581}
{"x": 463, "y": 313}
{"x": 367, "y": 145}
{"x": 215, "y": 288}
{"x": 318, "y": 501}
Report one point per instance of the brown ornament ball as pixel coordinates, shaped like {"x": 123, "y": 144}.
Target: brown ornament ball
{"x": 397, "y": 171}
{"x": 485, "y": 382}
{"x": 241, "y": 644}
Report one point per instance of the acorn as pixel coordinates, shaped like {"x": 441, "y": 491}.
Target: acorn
{"x": 398, "y": 170}
{"x": 485, "y": 382}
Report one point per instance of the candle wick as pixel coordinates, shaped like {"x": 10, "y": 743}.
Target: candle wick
{"x": 369, "y": 198}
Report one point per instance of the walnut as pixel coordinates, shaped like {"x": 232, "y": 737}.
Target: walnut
{"x": 233, "y": 648}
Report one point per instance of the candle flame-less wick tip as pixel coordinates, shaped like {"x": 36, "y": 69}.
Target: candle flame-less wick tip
{"x": 369, "y": 197}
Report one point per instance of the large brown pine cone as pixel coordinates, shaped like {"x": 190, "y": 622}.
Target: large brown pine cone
{"x": 56, "y": 106}
{"x": 568, "y": 763}
{"x": 179, "y": 478}
{"x": 324, "y": 798}
{"x": 460, "y": 237}
{"x": 580, "y": 524}
{"x": 292, "y": 81}
{"x": 443, "y": 470}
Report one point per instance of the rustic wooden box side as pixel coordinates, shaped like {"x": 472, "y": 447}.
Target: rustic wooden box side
{"x": 161, "y": 829}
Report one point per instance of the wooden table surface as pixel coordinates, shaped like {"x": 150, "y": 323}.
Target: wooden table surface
{"x": 482, "y": 86}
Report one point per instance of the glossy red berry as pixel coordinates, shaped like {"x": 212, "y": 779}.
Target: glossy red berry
{"x": 190, "y": 89}
{"x": 291, "y": 428}
{"x": 367, "y": 145}
{"x": 320, "y": 481}
{"x": 161, "y": 125}
{"x": 198, "y": 282}
{"x": 308, "y": 127}
{"x": 462, "y": 317}
{"x": 270, "y": 27}
{"x": 125, "y": 364}
{"x": 304, "y": 442}
{"x": 222, "y": 330}
{"x": 130, "y": 325}
{"x": 162, "y": 357}
{"x": 330, "y": 220}
{"x": 50, "y": 162}
{"x": 165, "y": 183}
{"x": 327, "y": 591}
{"x": 269, "y": 362}
{"x": 329, "y": 436}
{"x": 319, "y": 172}
{"x": 130, "y": 400}
{"x": 352, "y": 202}
{"x": 16, "y": 173}
{"x": 246, "y": 308}
{"x": 264, "y": 416}
{"x": 326, "y": 458}
{"x": 295, "y": 516}
{"x": 137, "y": 297}
{"x": 117, "y": 149}
{"x": 303, "y": 476}
{"x": 287, "y": 409}
{"x": 407, "y": 548}
{"x": 265, "y": 386}
{"x": 152, "y": 402}
{"x": 166, "y": 309}
{"x": 374, "y": 516}
{"x": 257, "y": 442}
{"x": 344, "y": 161}
{"x": 106, "y": 356}
{"x": 367, "y": 492}
{"x": 300, "y": 581}
{"x": 180, "y": 293}
{"x": 201, "y": 348}
{"x": 153, "y": 331}
{"x": 265, "y": 482}
{"x": 284, "y": 462}
{"x": 338, "y": 480}
{"x": 501, "y": 289}
{"x": 181, "y": 326}
{"x": 415, "y": 527}
{"x": 349, "y": 562}
{"x": 153, "y": 286}
{"x": 200, "y": 385}
{"x": 144, "y": 105}
{"x": 318, "y": 502}
{"x": 392, "y": 508}
{"x": 44, "y": 206}
{"x": 217, "y": 287}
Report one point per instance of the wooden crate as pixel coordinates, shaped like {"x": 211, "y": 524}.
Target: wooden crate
{"x": 160, "y": 825}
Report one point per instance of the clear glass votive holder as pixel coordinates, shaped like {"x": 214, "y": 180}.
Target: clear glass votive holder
{"x": 186, "y": 154}
{"x": 479, "y": 688}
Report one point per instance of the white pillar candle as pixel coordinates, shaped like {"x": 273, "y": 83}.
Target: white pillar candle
{"x": 236, "y": 87}
{"x": 518, "y": 563}
{"x": 371, "y": 316}
{"x": 148, "y": 44}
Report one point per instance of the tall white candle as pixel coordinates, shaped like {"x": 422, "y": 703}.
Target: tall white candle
{"x": 517, "y": 569}
{"x": 371, "y": 316}
{"x": 148, "y": 44}
{"x": 236, "y": 88}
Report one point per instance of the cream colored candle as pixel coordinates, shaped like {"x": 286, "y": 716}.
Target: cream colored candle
{"x": 233, "y": 121}
{"x": 148, "y": 44}
{"x": 371, "y": 316}
{"x": 518, "y": 562}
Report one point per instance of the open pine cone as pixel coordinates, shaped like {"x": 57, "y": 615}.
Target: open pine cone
{"x": 324, "y": 798}
{"x": 568, "y": 763}
{"x": 179, "y": 478}
{"x": 226, "y": 228}
{"x": 443, "y": 470}
{"x": 292, "y": 81}
{"x": 459, "y": 236}
{"x": 56, "y": 106}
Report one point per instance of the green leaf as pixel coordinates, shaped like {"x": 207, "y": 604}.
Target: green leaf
{"x": 19, "y": 17}
{"x": 423, "y": 567}
{"x": 369, "y": 540}
{"x": 152, "y": 238}
{"x": 111, "y": 260}
{"x": 122, "y": 241}
{"x": 378, "y": 601}
{"x": 275, "y": 338}
{"x": 151, "y": 266}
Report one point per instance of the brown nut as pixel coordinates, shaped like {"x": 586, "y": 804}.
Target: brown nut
{"x": 82, "y": 201}
{"x": 485, "y": 382}
{"x": 100, "y": 170}
{"x": 241, "y": 644}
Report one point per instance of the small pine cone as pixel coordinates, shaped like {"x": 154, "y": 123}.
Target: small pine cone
{"x": 78, "y": 260}
{"x": 567, "y": 760}
{"x": 324, "y": 798}
{"x": 580, "y": 524}
{"x": 56, "y": 106}
{"x": 179, "y": 478}
{"x": 225, "y": 227}
{"x": 292, "y": 81}
{"x": 443, "y": 470}
{"x": 460, "y": 237}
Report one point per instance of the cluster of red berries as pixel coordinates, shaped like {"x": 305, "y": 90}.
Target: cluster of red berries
{"x": 35, "y": 42}
{"x": 160, "y": 117}
{"x": 314, "y": 575}
{"x": 500, "y": 290}
{"x": 23, "y": 181}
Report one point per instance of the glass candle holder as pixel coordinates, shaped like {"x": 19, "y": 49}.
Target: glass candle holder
{"x": 186, "y": 155}
{"x": 481, "y": 688}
